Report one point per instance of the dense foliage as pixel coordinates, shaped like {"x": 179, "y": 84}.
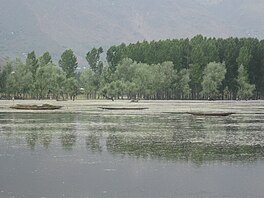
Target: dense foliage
{"x": 195, "y": 54}
{"x": 197, "y": 68}
{"x": 39, "y": 78}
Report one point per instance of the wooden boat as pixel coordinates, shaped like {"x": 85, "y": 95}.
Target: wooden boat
{"x": 211, "y": 113}
{"x": 134, "y": 100}
{"x": 61, "y": 100}
{"x": 36, "y": 107}
{"x": 123, "y": 108}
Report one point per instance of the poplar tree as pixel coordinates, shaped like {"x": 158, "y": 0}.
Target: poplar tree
{"x": 214, "y": 74}
{"x": 68, "y": 63}
{"x": 245, "y": 89}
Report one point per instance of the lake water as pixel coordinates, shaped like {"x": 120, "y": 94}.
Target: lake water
{"x": 84, "y": 151}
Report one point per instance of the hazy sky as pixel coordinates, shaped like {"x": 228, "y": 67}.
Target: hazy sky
{"x": 58, "y": 24}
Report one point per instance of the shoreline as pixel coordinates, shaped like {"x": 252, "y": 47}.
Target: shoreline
{"x": 154, "y": 106}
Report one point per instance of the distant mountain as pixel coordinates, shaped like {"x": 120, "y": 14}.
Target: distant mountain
{"x": 54, "y": 25}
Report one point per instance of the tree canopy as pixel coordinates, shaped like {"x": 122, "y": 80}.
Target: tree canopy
{"x": 193, "y": 68}
{"x": 68, "y": 63}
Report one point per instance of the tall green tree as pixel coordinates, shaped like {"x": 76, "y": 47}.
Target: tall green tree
{"x": 198, "y": 63}
{"x": 5, "y": 73}
{"x": 245, "y": 89}
{"x": 125, "y": 70}
{"x": 244, "y": 57}
{"x": 214, "y": 74}
{"x": 87, "y": 82}
{"x": 21, "y": 80}
{"x": 93, "y": 58}
{"x": 163, "y": 77}
{"x": 32, "y": 63}
{"x": 45, "y": 59}
{"x": 115, "y": 54}
{"x": 182, "y": 83}
{"x": 144, "y": 80}
{"x": 50, "y": 79}
{"x": 72, "y": 87}
{"x": 68, "y": 63}
{"x": 231, "y": 48}
{"x": 96, "y": 66}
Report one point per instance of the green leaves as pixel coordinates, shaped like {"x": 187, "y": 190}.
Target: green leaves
{"x": 45, "y": 59}
{"x": 245, "y": 89}
{"x": 164, "y": 69}
{"x": 32, "y": 63}
{"x": 93, "y": 58}
{"x": 49, "y": 79}
{"x": 87, "y": 81}
{"x": 182, "y": 83}
{"x": 214, "y": 74}
{"x": 68, "y": 63}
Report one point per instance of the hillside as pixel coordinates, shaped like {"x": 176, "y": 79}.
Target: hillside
{"x": 56, "y": 25}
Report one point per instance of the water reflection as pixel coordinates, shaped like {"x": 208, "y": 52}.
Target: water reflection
{"x": 46, "y": 139}
{"x": 31, "y": 139}
{"x": 68, "y": 139}
{"x": 34, "y": 136}
{"x": 93, "y": 143}
{"x": 195, "y": 152}
{"x": 163, "y": 136}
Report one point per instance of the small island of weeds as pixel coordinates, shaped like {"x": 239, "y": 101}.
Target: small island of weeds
{"x": 36, "y": 107}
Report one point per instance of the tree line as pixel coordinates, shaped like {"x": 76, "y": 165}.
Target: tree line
{"x": 197, "y": 68}
{"x": 40, "y": 78}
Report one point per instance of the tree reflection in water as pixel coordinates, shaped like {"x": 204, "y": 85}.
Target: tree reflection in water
{"x": 163, "y": 137}
{"x": 45, "y": 139}
{"x": 38, "y": 135}
{"x": 196, "y": 139}
{"x": 68, "y": 139}
{"x": 187, "y": 151}
{"x": 93, "y": 143}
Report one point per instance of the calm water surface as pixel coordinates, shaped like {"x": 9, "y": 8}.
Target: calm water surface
{"x": 130, "y": 154}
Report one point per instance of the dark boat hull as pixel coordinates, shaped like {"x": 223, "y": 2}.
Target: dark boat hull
{"x": 36, "y": 107}
{"x": 210, "y": 114}
{"x": 123, "y": 108}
